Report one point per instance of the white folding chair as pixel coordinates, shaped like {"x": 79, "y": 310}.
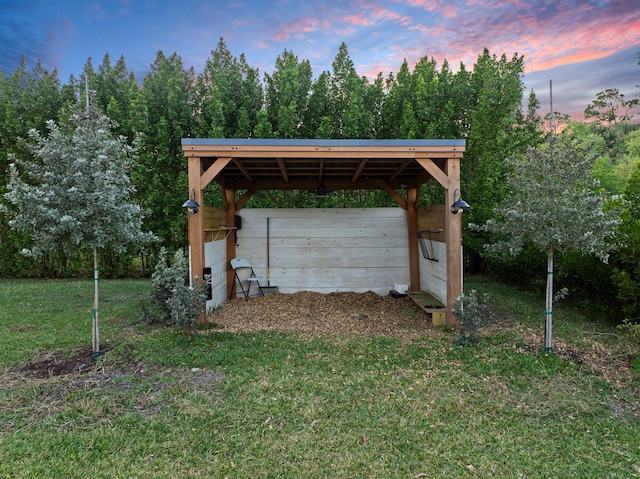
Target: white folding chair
{"x": 244, "y": 275}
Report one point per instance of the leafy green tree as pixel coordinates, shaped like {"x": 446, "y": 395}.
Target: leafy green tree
{"x": 374, "y": 102}
{"x": 263, "y": 128}
{"x": 228, "y": 96}
{"x": 115, "y": 90}
{"x": 28, "y": 98}
{"x": 619, "y": 152}
{"x": 628, "y": 163}
{"x": 399, "y": 94}
{"x": 160, "y": 173}
{"x": 347, "y": 99}
{"x": 610, "y": 108}
{"x": 428, "y": 104}
{"x": 287, "y": 94}
{"x": 554, "y": 205}
{"x": 446, "y": 105}
{"x": 409, "y": 125}
{"x": 493, "y": 102}
{"x": 317, "y": 117}
{"x": 626, "y": 274}
{"x": 74, "y": 193}
{"x": 251, "y": 99}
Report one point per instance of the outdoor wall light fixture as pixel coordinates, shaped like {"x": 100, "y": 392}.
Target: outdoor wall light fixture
{"x": 458, "y": 205}
{"x": 191, "y": 204}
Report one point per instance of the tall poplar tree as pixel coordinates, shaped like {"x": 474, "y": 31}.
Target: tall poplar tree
{"x": 287, "y": 94}
{"x": 74, "y": 192}
{"x": 228, "y": 96}
{"x": 160, "y": 174}
{"x": 347, "y": 97}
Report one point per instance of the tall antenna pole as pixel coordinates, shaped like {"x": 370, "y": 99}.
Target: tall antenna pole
{"x": 551, "y": 106}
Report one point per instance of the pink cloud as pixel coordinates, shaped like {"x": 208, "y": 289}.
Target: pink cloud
{"x": 449, "y": 11}
{"x": 384, "y": 14}
{"x": 296, "y": 28}
{"x": 548, "y": 34}
{"x": 359, "y": 19}
{"x": 428, "y": 5}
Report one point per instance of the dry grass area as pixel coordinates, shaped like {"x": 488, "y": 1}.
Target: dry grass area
{"x": 306, "y": 312}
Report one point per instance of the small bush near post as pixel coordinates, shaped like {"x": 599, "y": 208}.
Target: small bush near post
{"x": 473, "y": 312}
{"x": 173, "y": 301}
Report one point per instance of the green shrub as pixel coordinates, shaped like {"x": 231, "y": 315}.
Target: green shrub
{"x": 626, "y": 275}
{"x": 632, "y": 330}
{"x": 173, "y": 301}
{"x": 473, "y": 312}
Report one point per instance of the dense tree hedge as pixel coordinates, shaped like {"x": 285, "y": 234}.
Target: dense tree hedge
{"x": 484, "y": 104}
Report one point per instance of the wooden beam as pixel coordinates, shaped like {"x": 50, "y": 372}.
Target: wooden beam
{"x": 440, "y": 176}
{"x": 311, "y": 184}
{"x": 196, "y": 228}
{"x": 283, "y": 170}
{"x": 361, "y": 166}
{"x": 241, "y": 167}
{"x": 213, "y": 171}
{"x": 412, "y": 236}
{"x": 454, "y": 242}
{"x": 393, "y": 194}
{"x": 399, "y": 170}
{"x": 246, "y": 197}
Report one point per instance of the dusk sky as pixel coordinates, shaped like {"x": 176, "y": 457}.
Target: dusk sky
{"x": 583, "y": 46}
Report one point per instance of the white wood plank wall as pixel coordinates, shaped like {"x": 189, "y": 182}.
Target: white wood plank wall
{"x": 327, "y": 250}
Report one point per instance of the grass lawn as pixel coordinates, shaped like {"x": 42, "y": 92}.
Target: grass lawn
{"x": 164, "y": 403}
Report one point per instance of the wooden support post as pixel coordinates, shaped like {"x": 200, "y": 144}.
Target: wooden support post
{"x": 412, "y": 233}
{"x": 229, "y": 215}
{"x": 454, "y": 241}
{"x": 196, "y": 228}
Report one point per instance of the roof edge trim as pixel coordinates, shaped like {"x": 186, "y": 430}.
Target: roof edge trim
{"x": 317, "y": 142}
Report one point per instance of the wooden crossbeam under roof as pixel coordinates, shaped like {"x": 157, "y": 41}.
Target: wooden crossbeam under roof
{"x": 339, "y": 164}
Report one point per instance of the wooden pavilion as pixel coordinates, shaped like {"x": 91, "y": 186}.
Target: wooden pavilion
{"x": 251, "y": 165}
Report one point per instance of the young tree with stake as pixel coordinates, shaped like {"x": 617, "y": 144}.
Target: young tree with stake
{"x": 73, "y": 193}
{"x": 554, "y": 205}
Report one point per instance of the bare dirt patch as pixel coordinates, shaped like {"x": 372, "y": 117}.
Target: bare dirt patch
{"x": 60, "y": 364}
{"x": 306, "y": 312}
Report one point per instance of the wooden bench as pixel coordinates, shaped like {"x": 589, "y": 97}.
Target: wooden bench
{"x": 432, "y": 306}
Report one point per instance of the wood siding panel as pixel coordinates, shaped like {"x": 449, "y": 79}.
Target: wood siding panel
{"x": 327, "y": 250}
{"x": 433, "y": 274}
{"x": 433, "y": 218}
